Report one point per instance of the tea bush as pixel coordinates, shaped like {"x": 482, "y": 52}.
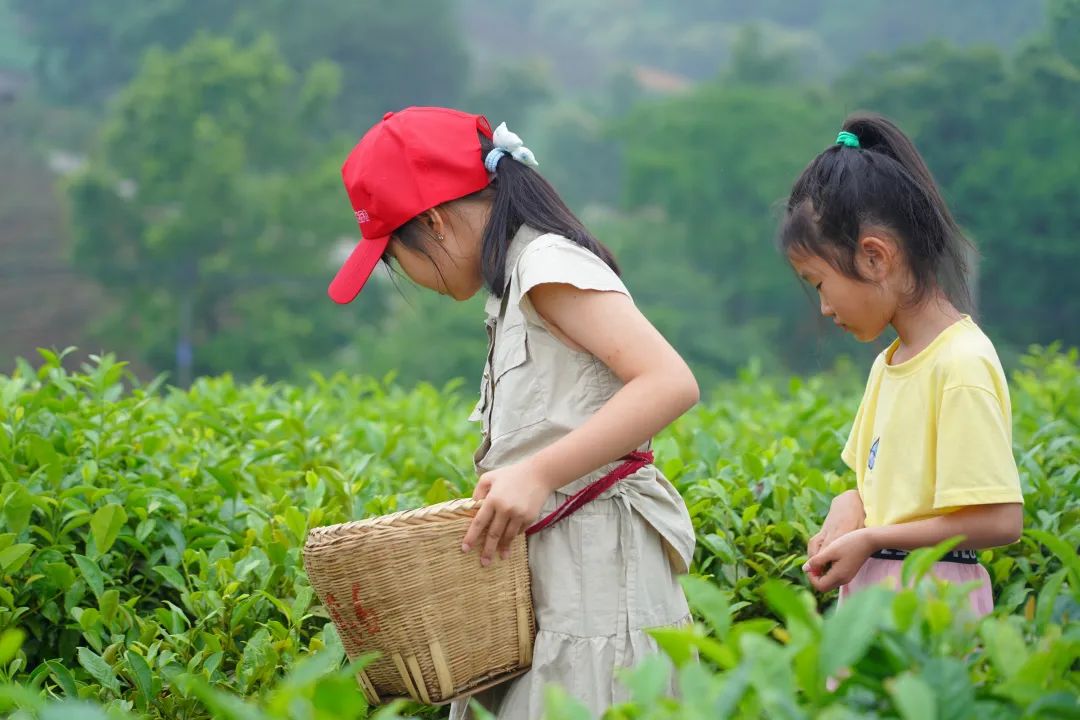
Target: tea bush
{"x": 150, "y": 550}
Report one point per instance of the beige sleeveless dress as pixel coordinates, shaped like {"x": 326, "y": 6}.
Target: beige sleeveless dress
{"x": 606, "y": 574}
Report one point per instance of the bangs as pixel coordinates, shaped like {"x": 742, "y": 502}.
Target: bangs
{"x": 802, "y": 234}
{"x": 799, "y": 234}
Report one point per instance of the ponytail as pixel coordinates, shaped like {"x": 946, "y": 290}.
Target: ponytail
{"x": 521, "y": 196}
{"x": 879, "y": 180}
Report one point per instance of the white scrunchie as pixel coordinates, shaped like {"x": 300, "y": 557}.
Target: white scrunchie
{"x": 508, "y": 143}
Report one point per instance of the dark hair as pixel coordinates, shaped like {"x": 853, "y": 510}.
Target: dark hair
{"x": 519, "y": 196}
{"x": 882, "y": 182}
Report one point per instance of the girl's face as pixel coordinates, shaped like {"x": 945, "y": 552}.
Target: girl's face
{"x": 449, "y": 260}
{"x": 863, "y": 308}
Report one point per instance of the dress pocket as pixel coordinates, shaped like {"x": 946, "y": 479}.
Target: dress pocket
{"x": 517, "y": 401}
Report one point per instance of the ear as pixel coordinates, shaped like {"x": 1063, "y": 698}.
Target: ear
{"x": 877, "y": 256}
{"x": 435, "y": 221}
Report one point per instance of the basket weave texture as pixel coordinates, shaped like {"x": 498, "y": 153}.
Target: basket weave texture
{"x": 443, "y": 625}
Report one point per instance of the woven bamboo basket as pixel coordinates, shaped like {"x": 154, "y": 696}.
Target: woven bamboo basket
{"x": 443, "y": 625}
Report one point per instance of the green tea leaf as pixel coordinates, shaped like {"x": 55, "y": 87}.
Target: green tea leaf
{"x": 108, "y": 605}
{"x": 222, "y": 705}
{"x": 12, "y": 558}
{"x": 304, "y": 595}
{"x": 10, "y": 642}
{"x": 771, "y": 676}
{"x": 1004, "y": 645}
{"x": 1066, "y": 554}
{"x": 1044, "y": 608}
{"x": 144, "y": 682}
{"x": 438, "y": 492}
{"x": 948, "y": 677}
{"x": 649, "y": 680}
{"x": 63, "y": 677}
{"x": 296, "y": 521}
{"x": 710, "y": 602}
{"x": 921, "y": 561}
{"x": 91, "y": 573}
{"x": 59, "y": 574}
{"x": 913, "y": 698}
{"x": 16, "y": 505}
{"x": 848, "y": 632}
{"x": 791, "y": 605}
{"x": 98, "y": 669}
{"x": 560, "y": 705}
{"x": 677, "y": 643}
{"x": 171, "y": 576}
{"x": 105, "y": 526}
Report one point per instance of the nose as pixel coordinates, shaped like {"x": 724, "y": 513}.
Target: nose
{"x": 826, "y": 309}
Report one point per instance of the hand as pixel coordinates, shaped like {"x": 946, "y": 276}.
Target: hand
{"x": 513, "y": 496}
{"x": 840, "y": 561}
{"x": 846, "y": 514}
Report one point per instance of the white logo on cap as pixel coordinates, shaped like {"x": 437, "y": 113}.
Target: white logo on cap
{"x": 362, "y": 216}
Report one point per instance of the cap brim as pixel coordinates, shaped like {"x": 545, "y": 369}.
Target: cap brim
{"x": 352, "y": 276}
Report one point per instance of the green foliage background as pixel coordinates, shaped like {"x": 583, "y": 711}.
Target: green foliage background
{"x": 150, "y": 540}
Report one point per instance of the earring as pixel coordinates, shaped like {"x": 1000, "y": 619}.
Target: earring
{"x": 441, "y": 237}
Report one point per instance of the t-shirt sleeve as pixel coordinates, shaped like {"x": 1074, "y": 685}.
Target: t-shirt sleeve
{"x": 554, "y": 259}
{"x": 849, "y": 454}
{"x": 975, "y": 464}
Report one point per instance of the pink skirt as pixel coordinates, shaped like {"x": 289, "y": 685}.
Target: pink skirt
{"x": 876, "y": 571}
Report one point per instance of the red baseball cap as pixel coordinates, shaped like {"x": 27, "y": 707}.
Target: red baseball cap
{"x": 409, "y": 162}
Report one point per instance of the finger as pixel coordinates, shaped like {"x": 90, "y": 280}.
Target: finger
{"x": 494, "y": 536}
{"x": 816, "y": 563}
{"x": 815, "y": 545}
{"x": 483, "y": 487}
{"x": 836, "y": 576}
{"x": 477, "y": 527}
{"x": 513, "y": 529}
{"x": 829, "y": 581}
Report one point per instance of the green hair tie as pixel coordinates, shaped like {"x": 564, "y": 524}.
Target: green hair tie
{"x": 847, "y": 138}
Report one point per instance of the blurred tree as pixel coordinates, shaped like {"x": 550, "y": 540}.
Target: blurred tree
{"x": 579, "y": 156}
{"x": 717, "y": 162}
{"x": 391, "y": 55}
{"x": 683, "y": 298}
{"x": 512, "y": 93}
{"x": 421, "y": 337}
{"x": 757, "y": 62}
{"x": 1021, "y": 193}
{"x": 207, "y": 214}
{"x": 948, "y": 97}
{"x": 88, "y": 50}
{"x": 694, "y": 37}
{"x": 1001, "y": 138}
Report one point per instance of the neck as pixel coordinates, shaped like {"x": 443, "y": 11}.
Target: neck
{"x": 918, "y": 325}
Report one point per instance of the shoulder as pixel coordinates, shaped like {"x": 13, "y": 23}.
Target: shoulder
{"x": 969, "y": 359}
{"x": 878, "y": 368}
{"x": 554, "y": 259}
{"x": 553, "y": 247}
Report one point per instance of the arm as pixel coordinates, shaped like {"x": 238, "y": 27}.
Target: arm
{"x": 658, "y": 388}
{"x": 981, "y": 526}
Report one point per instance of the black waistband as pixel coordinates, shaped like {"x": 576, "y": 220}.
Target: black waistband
{"x": 964, "y": 557}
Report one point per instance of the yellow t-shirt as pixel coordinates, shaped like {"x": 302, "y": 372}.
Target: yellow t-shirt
{"x": 934, "y": 433}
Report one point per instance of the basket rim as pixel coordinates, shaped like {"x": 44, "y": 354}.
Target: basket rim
{"x": 450, "y": 509}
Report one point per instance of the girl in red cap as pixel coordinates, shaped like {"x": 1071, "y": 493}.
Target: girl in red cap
{"x": 576, "y": 383}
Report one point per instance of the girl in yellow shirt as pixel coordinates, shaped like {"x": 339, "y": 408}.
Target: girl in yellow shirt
{"x": 931, "y": 445}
